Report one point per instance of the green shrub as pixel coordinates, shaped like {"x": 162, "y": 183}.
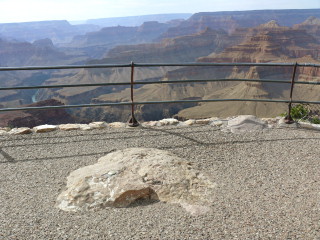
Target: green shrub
{"x": 302, "y": 112}
{"x": 315, "y": 120}
{"x": 299, "y": 112}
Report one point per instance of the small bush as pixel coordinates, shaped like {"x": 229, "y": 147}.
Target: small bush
{"x": 299, "y": 112}
{"x": 302, "y": 112}
{"x": 315, "y": 120}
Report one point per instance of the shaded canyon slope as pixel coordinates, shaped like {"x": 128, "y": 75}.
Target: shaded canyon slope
{"x": 34, "y": 118}
{"x": 269, "y": 43}
{"x": 39, "y": 53}
{"x": 97, "y": 43}
{"x": 186, "y": 48}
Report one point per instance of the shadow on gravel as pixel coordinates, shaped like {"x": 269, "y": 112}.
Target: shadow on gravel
{"x": 68, "y": 139}
{"x": 12, "y": 160}
{"x": 181, "y": 133}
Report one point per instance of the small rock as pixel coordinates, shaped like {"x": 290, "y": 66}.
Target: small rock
{"x": 245, "y": 123}
{"x": 3, "y": 132}
{"x": 98, "y": 125}
{"x": 69, "y": 127}
{"x": 204, "y": 121}
{"x": 167, "y": 121}
{"x": 18, "y": 131}
{"x": 117, "y": 125}
{"x": 218, "y": 123}
{"x": 85, "y": 127}
{"x": 45, "y": 128}
{"x": 187, "y": 123}
{"x": 150, "y": 124}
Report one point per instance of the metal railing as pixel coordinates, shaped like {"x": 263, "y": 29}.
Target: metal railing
{"x": 132, "y": 83}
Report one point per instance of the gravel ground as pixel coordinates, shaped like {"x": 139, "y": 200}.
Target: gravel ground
{"x": 268, "y": 185}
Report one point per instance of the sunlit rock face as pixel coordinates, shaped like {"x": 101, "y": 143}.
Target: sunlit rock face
{"x": 122, "y": 177}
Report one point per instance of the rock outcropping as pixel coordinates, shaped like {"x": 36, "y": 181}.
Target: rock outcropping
{"x": 123, "y": 177}
{"x": 32, "y": 118}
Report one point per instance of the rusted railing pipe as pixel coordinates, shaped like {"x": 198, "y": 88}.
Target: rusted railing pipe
{"x": 132, "y": 121}
{"x": 288, "y": 118}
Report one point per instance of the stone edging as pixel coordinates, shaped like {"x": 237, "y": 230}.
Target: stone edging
{"x": 277, "y": 122}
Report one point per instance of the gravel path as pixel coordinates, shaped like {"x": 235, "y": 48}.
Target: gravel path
{"x": 268, "y": 185}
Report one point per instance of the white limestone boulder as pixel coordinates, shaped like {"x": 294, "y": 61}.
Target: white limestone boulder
{"x": 205, "y": 121}
{"x": 219, "y": 123}
{"x": 167, "y": 121}
{"x": 20, "y": 131}
{"x": 85, "y": 127}
{"x": 117, "y": 125}
{"x": 69, "y": 127}
{"x": 187, "y": 123}
{"x": 245, "y": 123}
{"x": 45, "y": 128}
{"x": 98, "y": 125}
{"x": 122, "y": 177}
{"x": 149, "y": 124}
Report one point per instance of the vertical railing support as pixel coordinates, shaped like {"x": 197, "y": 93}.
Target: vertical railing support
{"x": 288, "y": 118}
{"x": 133, "y": 121}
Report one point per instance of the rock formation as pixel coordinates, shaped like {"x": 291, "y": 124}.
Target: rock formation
{"x": 230, "y": 21}
{"x": 96, "y": 44}
{"x": 271, "y": 43}
{"x": 268, "y": 42}
{"x": 179, "y": 49}
{"x": 245, "y": 123}
{"x": 312, "y": 26}
{"x": 32, "y": 118}
{"x": 40, "y": 53}
{"x": 125, "y": 176}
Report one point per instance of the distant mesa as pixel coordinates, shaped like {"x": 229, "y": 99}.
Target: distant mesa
{"x": 271, "y": 24}
{"x": 312, "y": 21}
{"x": 44, "y": 43}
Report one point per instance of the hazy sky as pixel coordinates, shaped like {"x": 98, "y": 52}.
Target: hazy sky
{"x": 38, "y": 10}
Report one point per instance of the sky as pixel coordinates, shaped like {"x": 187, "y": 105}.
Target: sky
{"x": 71, "y": 10}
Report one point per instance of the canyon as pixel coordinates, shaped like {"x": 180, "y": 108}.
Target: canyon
{"x": 255, "y": 36}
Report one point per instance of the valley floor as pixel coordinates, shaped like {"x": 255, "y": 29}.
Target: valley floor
{"x": 268, "y": 185}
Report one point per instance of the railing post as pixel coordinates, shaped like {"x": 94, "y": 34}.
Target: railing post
{"x": 133, "y": 121}
{"x": 288, "y": 118}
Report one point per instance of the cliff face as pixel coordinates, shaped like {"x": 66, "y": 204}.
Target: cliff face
{"x": 40, "y": 53}
{"x": 229, "y": 21}
{"x": 191, "y": 26}
{"x": 96, "y": 44}
{"x": 180, "y": 49}
{"x": 268, "y": 42}
{"x": 311, "y": 26}
{"x": 34, "y": 118}
{"x": 271, "y": 43}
